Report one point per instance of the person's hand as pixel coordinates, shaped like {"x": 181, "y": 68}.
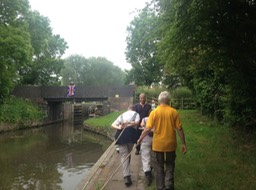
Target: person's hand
{"x": 184, "y": 149}
{"x": 122, "y": 126}
{"x": 132, "y": 122}
{"x": 139, "y": 141}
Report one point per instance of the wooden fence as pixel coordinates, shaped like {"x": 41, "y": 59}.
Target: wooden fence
{"x": 183, "y": 103}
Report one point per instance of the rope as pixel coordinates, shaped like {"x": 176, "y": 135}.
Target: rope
{"x": 116, "y": 170}
{"x": 121, "y": 162}
{"x": 103, "y": 159}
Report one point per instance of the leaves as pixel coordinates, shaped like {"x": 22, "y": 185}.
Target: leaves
{"x": 141, "y": 48}
{"x": 92, "y": 71}
{"x": 48, "y": 49}
{"x": 16, "y": 53}
{"x": 208, "y": 46}
{"x": 29, "y": 52}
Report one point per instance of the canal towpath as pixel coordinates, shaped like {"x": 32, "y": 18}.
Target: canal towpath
{"x": 107, "y": 173}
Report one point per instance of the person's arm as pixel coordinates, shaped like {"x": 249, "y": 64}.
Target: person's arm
{"x": 117, "y": 124}
{"x": 144, "y": 133}
{"x": 182, "y": 137}
{"x": 120, "y": 126}
{"x": 142, "y": 124}
{"x": 133, "y": 124}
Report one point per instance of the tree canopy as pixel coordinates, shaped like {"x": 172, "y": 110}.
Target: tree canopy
{"x": 93, "y": 71}
{"x": 141, "y": 51}
{"x": 208, "y": 46}
{"x": 47, "y": 51}
{"x": 30, "y": 52}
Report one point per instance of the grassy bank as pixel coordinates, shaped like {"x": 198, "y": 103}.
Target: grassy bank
{"x": 103, "y": 124}
{"x": 218, "y": 157}
{"x": 19, "y": 111}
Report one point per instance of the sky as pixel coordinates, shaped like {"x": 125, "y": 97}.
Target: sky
{"x": 91, "y": 27}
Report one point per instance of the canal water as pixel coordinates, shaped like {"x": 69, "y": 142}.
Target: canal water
{"x": 55, "y": 157}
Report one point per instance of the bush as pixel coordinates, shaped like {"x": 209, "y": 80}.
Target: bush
{"x": 181, "y": 92}
{"x": 182, "y": 98}
{"x": 152, "y": 93}
{"x": 17, "y": 110}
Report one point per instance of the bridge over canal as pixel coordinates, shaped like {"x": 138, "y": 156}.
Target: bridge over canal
{"x": 54, "y": 98}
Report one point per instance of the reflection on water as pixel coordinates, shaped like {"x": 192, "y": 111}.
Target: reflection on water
{"x": 52, "y": 157}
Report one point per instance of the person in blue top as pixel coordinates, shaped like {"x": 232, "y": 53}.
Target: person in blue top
{"x": 143, "y": 108}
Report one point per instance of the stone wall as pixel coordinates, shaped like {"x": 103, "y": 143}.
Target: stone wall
{"x": 67, "y": 111}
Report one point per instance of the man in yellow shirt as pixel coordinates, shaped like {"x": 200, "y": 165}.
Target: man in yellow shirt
{"x": 165, "y": 122}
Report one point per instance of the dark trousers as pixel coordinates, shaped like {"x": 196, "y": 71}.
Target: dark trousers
{"x": 138, "y": 136}
{"x": 161, "y": 161}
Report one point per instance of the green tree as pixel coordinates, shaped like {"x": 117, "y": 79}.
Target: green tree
{"x": 210, "y": 45}
{"x": 76, "y": 69}
{"x": 30, "y": 53}
{"x": 13, "y": 12}
{"x": 92, "y": 71}
{"x": 48, "y": 48}
{"x": 15, "y": 43}
{"x": 143, "y": 35}
{"x": 104, "y": 72}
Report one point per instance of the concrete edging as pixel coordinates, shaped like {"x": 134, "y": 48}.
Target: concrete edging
{"x": 96, "y": 169}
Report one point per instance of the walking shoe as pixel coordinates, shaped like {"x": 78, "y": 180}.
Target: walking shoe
{"x": 127, "y": 181}
{"x": 148, "y": 177}
{"x": 137, "y": 152}
{"x": 148, "y": 180}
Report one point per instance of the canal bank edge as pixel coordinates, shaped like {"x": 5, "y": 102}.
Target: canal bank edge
{"x": 91, "y": 180}
{"x": 100, "y": 131}
{"x": 93, "y": 175}
{"x": 6, "y": 127}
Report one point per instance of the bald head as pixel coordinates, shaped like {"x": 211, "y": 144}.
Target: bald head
{"x": 142, "y": 98}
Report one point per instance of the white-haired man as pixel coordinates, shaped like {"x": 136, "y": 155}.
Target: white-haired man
{"x": 165, "y": 122}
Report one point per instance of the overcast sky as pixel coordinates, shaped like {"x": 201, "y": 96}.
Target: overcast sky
{"x": 91, "y": 27}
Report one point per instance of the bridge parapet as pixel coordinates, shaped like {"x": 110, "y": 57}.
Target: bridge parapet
{"x": 118, "y": 96}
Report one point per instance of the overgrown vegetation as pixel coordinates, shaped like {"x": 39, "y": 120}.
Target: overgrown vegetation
{"x": 208, "y": 46}
{"x": 16, "y": 110}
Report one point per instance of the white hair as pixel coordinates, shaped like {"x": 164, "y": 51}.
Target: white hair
{"x": 164, "y": 97}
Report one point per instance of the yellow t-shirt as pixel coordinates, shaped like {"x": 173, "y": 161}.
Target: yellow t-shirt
{"x": 165, "y": 120}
